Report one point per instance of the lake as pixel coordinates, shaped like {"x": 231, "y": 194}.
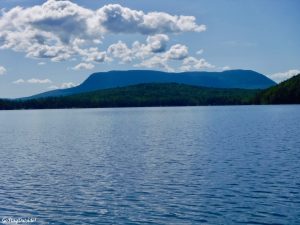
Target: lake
{"x": 173, "y": 165}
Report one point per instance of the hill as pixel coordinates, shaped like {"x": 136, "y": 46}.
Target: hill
{"x": 168, "y": 94}
{"x": 287, "y": 92}
{"x": 243, "y": 79}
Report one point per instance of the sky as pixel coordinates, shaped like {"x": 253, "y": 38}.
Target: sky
{"x": 47, "y": 45}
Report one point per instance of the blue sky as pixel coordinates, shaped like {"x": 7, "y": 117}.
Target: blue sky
{"x": 57, "y": 44}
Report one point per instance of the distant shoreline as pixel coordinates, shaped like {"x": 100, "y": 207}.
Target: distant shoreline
{"x": 140, "y": 107}
{"x": 164, "y": 95}
{"x": 141, "y": 95}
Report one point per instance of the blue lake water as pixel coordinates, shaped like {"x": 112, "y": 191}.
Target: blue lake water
{"x": 185, "y": 165}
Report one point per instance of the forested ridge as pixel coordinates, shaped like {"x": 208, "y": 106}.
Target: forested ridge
{"x": 287, "y": 92}
{"x": 167, "y": 94}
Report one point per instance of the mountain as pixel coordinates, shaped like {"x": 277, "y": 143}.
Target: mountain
{"x": 152, "y": 94}
{"x": 287, "y": 92}
{"x": 244, "y": 79}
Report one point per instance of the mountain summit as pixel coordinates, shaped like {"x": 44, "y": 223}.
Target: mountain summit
{"x": 243, "y": 79}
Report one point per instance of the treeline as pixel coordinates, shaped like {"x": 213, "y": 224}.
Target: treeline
{"x": 142, "y": 95}
{"x": 287, "y": 92}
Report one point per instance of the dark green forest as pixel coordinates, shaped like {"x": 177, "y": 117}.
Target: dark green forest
{"x": 287, "y": 92}
{"x": 170, "y": 94}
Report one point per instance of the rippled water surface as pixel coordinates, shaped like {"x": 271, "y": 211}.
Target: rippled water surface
{"x": 186, "y": 165}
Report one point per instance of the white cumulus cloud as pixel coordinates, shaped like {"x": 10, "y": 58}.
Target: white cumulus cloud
{"x": 61, "y": 30}
{"x": 53, "y": 87}
{"x": 62, "y": 86}
{"x": 177, "y": 52}
{"x": 200, "y": 52}
{"x": 67, "y": 85}
{"x": 121, "y": 51}
{"x": 191, "y": 63}
{"x": 2, "y": 70}
{"x": 156, "y": 62}
{"x": 39, "y": 81}
{"x": 115, "y": 18}
{"x": 83, "y": 66}
{"x": 226, "y": 68}
{"x": 33, "y": 81}
{"x": 154, "y": 44}
{"x": 157, "y": 43}
{"x": 19, "y": 81}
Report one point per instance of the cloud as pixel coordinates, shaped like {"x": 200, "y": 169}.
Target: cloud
{"x": 200, "y": 52}
{"x": 96, "y": 56}
{"x": 177, "y": 52}
{"x": 55, "y": 53}
{"x": 121, "y": 51}
{"x": 53, "y": 87}
{"x": 83, "y": 66}
{"x": 67, "y": 85}
{"x": 115, "y": 18}
{"x": 156, "y": 62}
{"x": 41, "y": 63}
{"x": 279, "y": 77}
{"x": 62, "y": 86}
{"x": 33, "y": 81}
{"x": 2, "y": 70}
{"x": 157, "y": 43}
{"x": 39, "y": 81}
{"x": 62, "y": 30}
{"x": 19, "y": 81}
{"x": 226, "y": 68}
{"x": 192, "y": 63}
{"x": 92, "y": 55}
